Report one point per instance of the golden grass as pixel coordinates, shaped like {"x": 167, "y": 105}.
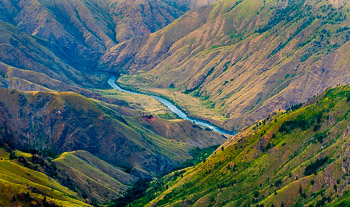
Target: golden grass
{"x": 143, "y": 103}
{"x": 16, "y": 179}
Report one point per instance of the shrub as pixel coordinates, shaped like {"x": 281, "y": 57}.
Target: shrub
{"x": 313, "y": 167}
{"x": 320, "y": 136}
{"x": 278, "y": 182}
{"x": 301, "y": 122}
{"x": 317, "y": 127}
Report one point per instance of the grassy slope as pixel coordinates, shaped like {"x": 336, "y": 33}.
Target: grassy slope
{"x": 299, "y": 157}
{"x": 65, "y": 121}
{"x": 87, "y": 179}
{"x": 245, "y": 60}
{"x": 142, "y": 103}
{"x": 23, "y": 51}
{"x": 92, "y": 177}
{"x": 16, "y": 181}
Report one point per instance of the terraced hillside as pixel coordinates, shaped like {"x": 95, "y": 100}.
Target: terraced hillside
{"x": 294, "y": 158}
{"x": 241, "y": 59}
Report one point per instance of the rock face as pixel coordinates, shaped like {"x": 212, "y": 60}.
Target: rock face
{"x": 65, "y": 121}
{"x": 246, "y": 59}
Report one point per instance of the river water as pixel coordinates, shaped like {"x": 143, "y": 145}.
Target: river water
{"x": 171, "y": 107}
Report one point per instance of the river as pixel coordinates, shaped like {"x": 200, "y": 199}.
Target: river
{"x": 171, "y": 107}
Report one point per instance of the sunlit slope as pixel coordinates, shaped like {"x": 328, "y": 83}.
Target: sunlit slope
{"x": 72, "y": 179}
{"x": 242, "y": 59}
{"x": 22, "y": 186}
{"x": 92, "y": 177}
{"x": 300, "y": 157}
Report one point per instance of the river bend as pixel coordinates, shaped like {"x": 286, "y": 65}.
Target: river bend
{"x": 171, "y": 107}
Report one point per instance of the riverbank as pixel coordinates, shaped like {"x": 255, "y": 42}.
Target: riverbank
{"x": 172, "y": 107}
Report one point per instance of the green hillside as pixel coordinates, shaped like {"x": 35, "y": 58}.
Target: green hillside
{"x": 72, "y": 179}
{"x": 22, "y": 186}
{"x": 91, "y": 177}
{"x": 294, "y": 158}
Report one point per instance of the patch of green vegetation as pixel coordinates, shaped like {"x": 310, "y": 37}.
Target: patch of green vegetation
{"x": 138, "y": 191}
{"x": 226, "y": 66}
{"x": 198, "y": 155}
{"x": 343, "y": 201}
{"x": 296, "y": 9}
{"x": 313, "y": 167}
{"x": 320, "y": 136}
{"x": 302, "y": 122}
{"x": 167, "y": 116}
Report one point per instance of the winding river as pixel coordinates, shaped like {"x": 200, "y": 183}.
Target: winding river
{"x": 171, "y": 107}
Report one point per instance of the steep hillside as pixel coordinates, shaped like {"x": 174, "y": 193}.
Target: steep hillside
{"x": 294, "y": 158}
{"x": 140, "y": 54}
{"x": 142, "y": 17}
{"x": 91, "y": 177}
{"x": 22, "y": 186}
{"x": 75, "y": 178}
{"x": 241, "y": 59}
{"x": 86, "y": 29}
{"x": 65, "y": 121}
{"x": 189, "y": 4}
{"x": 65, "y": 39}
{"x": 22, "y": 51}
